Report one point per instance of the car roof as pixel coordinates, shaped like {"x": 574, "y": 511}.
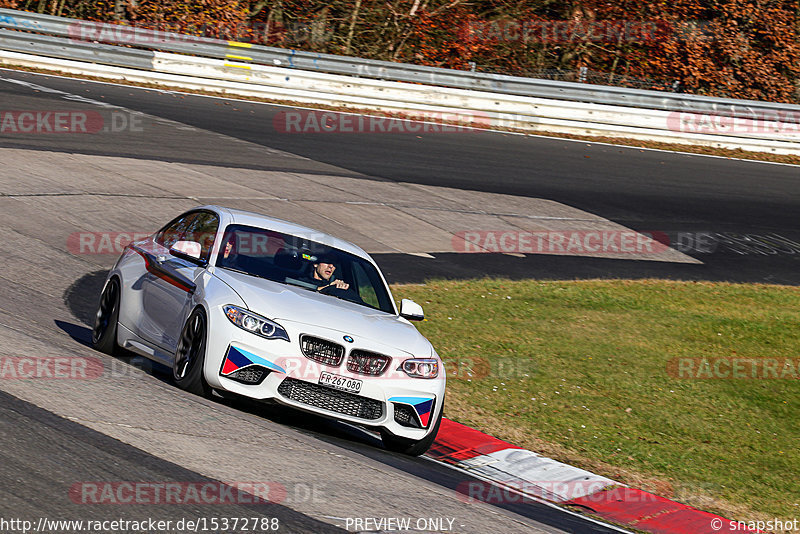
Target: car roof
{"x": 258, "y": 220}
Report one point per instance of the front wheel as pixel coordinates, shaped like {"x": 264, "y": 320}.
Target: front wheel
{"x": 187, "y": 368}
{"x": 410, "y": 446}
{"x": 104, "y": 332}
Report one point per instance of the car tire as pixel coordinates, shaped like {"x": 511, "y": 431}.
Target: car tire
{"x": 410, "y": 446}
{"x": 187, "y": 367}
{"x": 104, "y": 331}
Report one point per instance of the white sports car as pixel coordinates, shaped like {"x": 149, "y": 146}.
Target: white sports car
{"x": 243, "y": 303}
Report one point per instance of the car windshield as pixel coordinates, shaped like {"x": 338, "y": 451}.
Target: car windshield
{"x": 290, "y": 259}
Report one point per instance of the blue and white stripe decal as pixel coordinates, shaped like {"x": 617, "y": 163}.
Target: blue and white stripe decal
{"x": 422, "y": 405}
{"x": 238, "y": 358}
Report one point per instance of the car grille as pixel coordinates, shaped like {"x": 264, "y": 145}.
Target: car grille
{"x": 321, "y": 350}
{"x": 367, "y": 363}
{"x": 330, "y": 399}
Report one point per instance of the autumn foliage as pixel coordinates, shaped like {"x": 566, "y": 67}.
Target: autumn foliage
{"x": 731, "y": 48}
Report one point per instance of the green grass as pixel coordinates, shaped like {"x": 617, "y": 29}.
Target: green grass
{"x": 579, "y": 371}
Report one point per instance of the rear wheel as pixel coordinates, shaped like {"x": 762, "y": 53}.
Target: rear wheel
{"x": 187, "y": 369}
{"x": 104, "y": 333}
{"x": 410, "y": 446}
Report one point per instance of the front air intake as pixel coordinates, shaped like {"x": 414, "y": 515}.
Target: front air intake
{"x": 405, "y": 415}
{"x": 251, "y": 375}
{"x": 331, "y": 399}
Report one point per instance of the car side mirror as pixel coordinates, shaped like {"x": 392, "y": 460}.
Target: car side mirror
{"x": 411, "y": 310}
{"x": 187, "y": 250}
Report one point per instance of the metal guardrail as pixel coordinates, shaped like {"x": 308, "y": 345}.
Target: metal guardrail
{"x": 78, "y": 31}
{"x": 80, "y": 51}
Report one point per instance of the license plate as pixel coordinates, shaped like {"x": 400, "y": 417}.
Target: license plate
{"x": 352, "y": 385}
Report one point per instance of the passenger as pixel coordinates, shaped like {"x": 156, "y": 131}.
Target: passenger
{"x": 230, "y": 252}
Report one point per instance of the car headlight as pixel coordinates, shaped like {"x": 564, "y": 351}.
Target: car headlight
{"x": 255, "y": 324}
{"x": 421, "y": 368}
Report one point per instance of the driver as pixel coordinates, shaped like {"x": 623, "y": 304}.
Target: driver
{"x": 322, "y": 276}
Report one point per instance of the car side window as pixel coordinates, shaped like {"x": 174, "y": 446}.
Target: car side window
{"x": 171, "y": 234}
{"x": 198, "y": 226}
{"x": 202, "y": 229}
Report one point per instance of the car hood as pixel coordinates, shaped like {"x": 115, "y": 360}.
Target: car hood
{"x": 283, "y": 302}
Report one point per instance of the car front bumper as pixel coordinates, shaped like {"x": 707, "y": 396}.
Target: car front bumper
{"x": 274, "y": 369}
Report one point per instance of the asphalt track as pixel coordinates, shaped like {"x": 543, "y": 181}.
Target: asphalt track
{"x": 42, "y": 453}
{"x": 55, "y": 434}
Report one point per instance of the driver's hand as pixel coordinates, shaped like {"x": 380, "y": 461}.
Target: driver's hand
{"x": 341, "y": 284}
